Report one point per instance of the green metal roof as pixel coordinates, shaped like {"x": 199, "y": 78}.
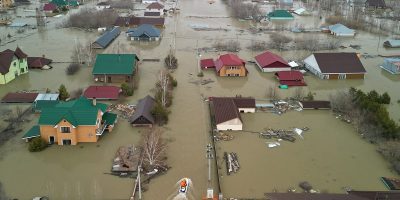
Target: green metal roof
{"x": 280, "y": 14}
{"x": 109, "y": 118}
{"x": 40, "y": 104}
{"x": 77, "y": 112}
{"x": 115, "y": 64}
{"x": 33, "y": 132}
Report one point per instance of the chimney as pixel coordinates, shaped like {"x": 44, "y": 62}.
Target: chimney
{"x": 94, "y": 101}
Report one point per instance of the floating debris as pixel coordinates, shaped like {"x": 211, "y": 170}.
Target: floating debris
{"x": 273, "y": 144}
{"x": 125, "y": 110}
{"x": 126, "y": 161}
{"x": 223, "y": 136}
{"x": 232, "y": 162}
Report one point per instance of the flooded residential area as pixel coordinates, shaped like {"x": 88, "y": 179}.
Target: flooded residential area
{"x": 200, "y": 99}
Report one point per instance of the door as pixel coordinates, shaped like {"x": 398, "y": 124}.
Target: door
{"x": 108, "y": 79}
{"x": 51, "y": 139}
{"x": 66, "y": 142}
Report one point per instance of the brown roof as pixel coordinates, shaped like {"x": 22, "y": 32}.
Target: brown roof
{"x": 309, "y": 196}
{"x": 337, "y": 63}
{"x": 38, "y": 62}
{"x": 19, "y": 53}
{"x": 226, "y": 108}
{"x": 19, "y": 98}
{"x": 147, "y": 20}
{"x": 377, "y": 195}
{"x": 6, "y": 57}
{"x": 152, "y": 14}
{"x": 143, "y": 109}
{"x": 155, "y": 5}
{"x": 316, "y": 104}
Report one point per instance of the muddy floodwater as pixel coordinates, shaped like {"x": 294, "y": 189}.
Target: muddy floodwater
{"x": 330, "y": 157}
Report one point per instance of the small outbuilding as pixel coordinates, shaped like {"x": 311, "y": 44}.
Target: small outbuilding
{"x": 392, "y": 43}
{"x": 290, "y": 78}
{"x": 207, "y": 63}
{"x": 301, "y": 12}
{"x": 317, "y": 105}
{"x": 155, "y": 21}
{"x": 270, "y": 62}
{"x": 392, "y": 65}
{"x": 38, "y": 62}
{"x": 49, "y": 7}
{"x": 341, "y": 30}
{"x": 19, "y": 97}
{"x": 144, "y": 32}
{"x": 104, "y": 92}
{"x": 104, "y": 40}
{"x": 280, "y": 15}
{"x": 143, "y": 116}
{"x": 375, "y": 4}
{"x": 155, "y": 7}
{"x": 103, "y": 5}
{"x": 111, "y": 68}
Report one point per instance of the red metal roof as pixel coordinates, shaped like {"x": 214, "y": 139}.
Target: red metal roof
{"x": 155, "y": 5}
{"x": 19, "y": 97}
{"x": 49, "y": 7}
{"x": 207, "y": 63}
{"x": 290, "y": 78}
{"x": 228, "y": 60}
{"x": 102, "y": 92}
{"x": 267, "y": 58}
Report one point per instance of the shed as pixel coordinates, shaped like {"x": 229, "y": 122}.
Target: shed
{"x": 47, "y": 96}
{"x": 392, "y": 65}
{"x": 341, "y": 30}
{"x": 155, "y": 6}
{"x": 155, "y": 21}
{"x": 335, "y": 65}
{"x": 375, "y": 3}
{"x": 207, "y": 63}
{"x": 270, "y": 62}
{"x": 144, "y": 32}
{"x": 104, "y": 40}
{"x": 280, "y": 15}
{"x": 19, "y": 97}
{"x": 326, "y": 105}
{"x": 290, "y": 78}
{"x": 38, "y": 62}
{"x": 392, "y": 43}
{"x": 39, "y": 105}
{"x": 301, "y": 12}
{"x": 102, "y": 92}
{"x": 143, "y": 116}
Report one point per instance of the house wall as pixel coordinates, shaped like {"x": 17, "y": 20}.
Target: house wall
{"x": 274, "y": 67}
{"x": 343, "y": 34}
{"x": 355, "y": 76}
{"x": 234, "y": 124}
{"x": 247, "y": 110}
{"x": 150, "y": 39}
{"x": 18, "y": 67}
{"x": 225, "y": 71}
{"x": 114, "y": 78}
{"x": 156, "y": 10}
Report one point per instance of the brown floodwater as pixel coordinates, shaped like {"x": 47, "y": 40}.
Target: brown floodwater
{"x": 331, "y": 155}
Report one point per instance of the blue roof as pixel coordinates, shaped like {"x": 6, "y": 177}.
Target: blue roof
{"x": 340, "y": 28}
{"x": 146, "y": 29}
{"x": 105, "y": 39}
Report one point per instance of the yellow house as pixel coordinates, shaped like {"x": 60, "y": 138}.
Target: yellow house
{"x": 230, "y": 65}
{"x": 68, "y": 123}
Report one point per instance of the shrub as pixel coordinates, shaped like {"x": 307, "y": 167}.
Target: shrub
{"x": 72, "y": 68}
{"x": 64, "y": 95}
{"x": 126, "y": 89}
{"x": 37, "y": 144}
{"x": 160, "y": 113}
{"x": 200, "y": 74}
{"x": 174, "y": 83}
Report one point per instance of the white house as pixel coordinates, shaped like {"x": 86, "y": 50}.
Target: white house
{"x": 227, "y": 111}
{"x": 155, "y": 8}
{"x": 102, "y": 6}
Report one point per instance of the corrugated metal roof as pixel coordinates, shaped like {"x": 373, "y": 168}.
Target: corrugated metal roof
{"x": 392, "y": 43}
{"x": 143, "y": 109}
{"x": 32, "y": 133}
{"x": 105, "y": 39}
{"x": 146, "y": 29}
{"x": 267, "y": 58}
{"x": 102, "y": 92}
{"x": 339, "y": 63}
{"x": 47, "y": 96}
{"x": 115, "y": 64}
{"x": 19, "y": 97}
{"x": 341, "y": 29}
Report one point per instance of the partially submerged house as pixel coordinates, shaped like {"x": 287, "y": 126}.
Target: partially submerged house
{"x": 19, "y": 97}
{"x": 155, "y": 21}
{"x": 115, "y": 68}
{"x": 72, "y": 122}
{"x": 290, "y": 78}
{"x": 152, "y": 14}
{"x": 392, "y": 43}
{"x": 49, "y": 7}
{"x": 155, "y": 7}
{"x": 38, "y": 62}
{"x": 104, "y": 40}
{"x": 335, "y": 65}
{"x": 341, "y": 30}
{"x": 103, "y": 92}
{"x": 280, "y": 15}
{"x": 375, "y": 4}
{"x": 12, "y": 65}
{"x": 315, "y": 105}
{"x": 270, "y": 62}
{"x": 227, "y": 111}
{"x": 103, "y": 5}
{"x": 392, "y": 65}
{"x": 142, "y": 115}
{"x": 144, "y": 32}
{"x": 230, "y": 65}
{"x": 207, "y": 63}
{"x": 301, "y": 12}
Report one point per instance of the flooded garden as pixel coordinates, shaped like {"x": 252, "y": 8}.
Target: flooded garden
{"x": 331, "y": 156}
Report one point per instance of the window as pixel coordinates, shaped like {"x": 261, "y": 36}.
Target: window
{"x": 232, "y": 67}
{"x": 65, "y": 129}
{"x": 15, "y": 64}
{"x": 342, "y": 76}
{"x": 22, "y": 70}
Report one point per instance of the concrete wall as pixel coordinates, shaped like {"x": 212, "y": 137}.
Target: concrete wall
{"x": 234, "y": 124}
{"x": 225, "y": 71}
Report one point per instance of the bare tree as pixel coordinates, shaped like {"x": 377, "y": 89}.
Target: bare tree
{"x": 272, "y": 93}
{"x": 153, "y": 149}
{"x": 163, "y": 86}
{"x": 90, "y": 18}
{"x": 278, "y": 41}
{"x": 298, "y": 94}
{"x": 231, "y": 46}
{"x": 83, "y": 53}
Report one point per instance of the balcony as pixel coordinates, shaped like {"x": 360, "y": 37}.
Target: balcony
{"x": 101, "y": 129}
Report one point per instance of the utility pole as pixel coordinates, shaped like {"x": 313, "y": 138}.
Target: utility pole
{"x": 209, "y": 155}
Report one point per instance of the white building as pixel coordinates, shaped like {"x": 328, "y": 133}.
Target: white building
{"x": 102, "y": 6}
{"x": 155, "y": 7}
{"x": 227, "y": 112}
